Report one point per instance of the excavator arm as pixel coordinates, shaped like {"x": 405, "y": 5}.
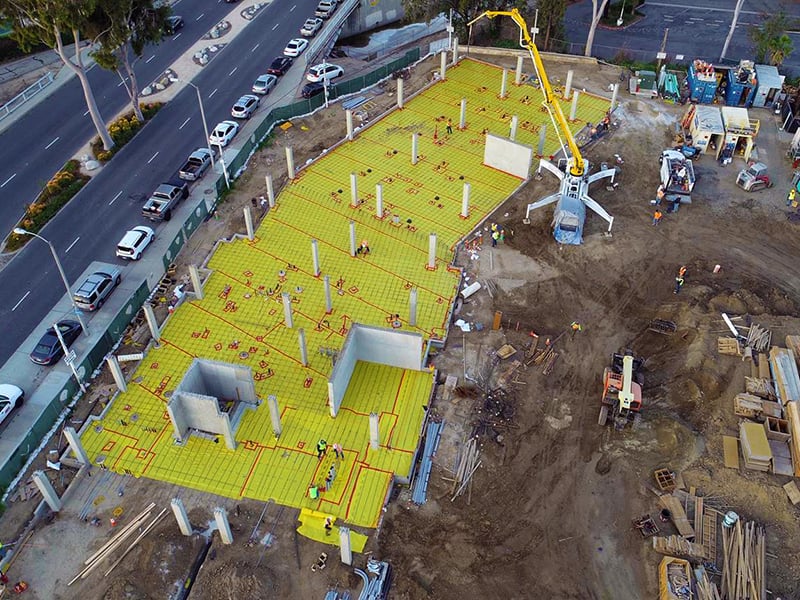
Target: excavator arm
{"x": 577, "y": 166}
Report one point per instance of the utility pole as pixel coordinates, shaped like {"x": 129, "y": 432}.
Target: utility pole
{"x": 734, "y": 22}
{"x": 662, "y": 53}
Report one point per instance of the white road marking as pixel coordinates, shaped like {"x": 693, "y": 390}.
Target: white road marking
{"x": 293, "y": 7}
{"x": 119, "y": 193}
{"x": 177, "y": 35}
{"x": 51, "y": 143}
{"x": 708, "y": 8}
{"x": 212, "y": 93}
{"x": 7, "y": 180}
{"x": 176, "y": 2}
{"x": 254, "y": 47}
{"x": 86, "y": 113}
{"x": 201, "y": 16}
{"x": 152, "y": 158}
{"x": 20, "y": 301}
{"x": 184, "y": 123}
{"x": 72, "y": 244}
{"x": 232, "y": 72}
{"x": 274, "y": 27}
{"x": 149, "y": 59}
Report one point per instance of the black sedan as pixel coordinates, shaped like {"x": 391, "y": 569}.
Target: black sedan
{"x": 280, "y": 65}
{"x": 49, "y": 349}
{"x": 312, "y": 89}
{"x": 173, "y": 24}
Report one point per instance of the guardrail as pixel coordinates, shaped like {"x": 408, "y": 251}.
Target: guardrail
{"x": 26, "y": 95}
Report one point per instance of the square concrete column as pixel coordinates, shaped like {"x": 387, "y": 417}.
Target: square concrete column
{"x": 75, "y": 445}
{"x": 116, "y": 372}
{"x": 197, "y": 284}
{"x": 518, "y": 73}
{"x": 221, "y": 517}
{"x": 287, "y": 309}
{"x": 152, "y": 323}
{"x": 248, "y": 223}
{"x": 374, "y": 431}
{"x": 290, "y": 162}
{"x": 275, "y": 415}
{"x": 180, "y": 515}
{"x": 345, "y": 550}
{"x": 48, "y": 492}
{"x": 270, "y": 191}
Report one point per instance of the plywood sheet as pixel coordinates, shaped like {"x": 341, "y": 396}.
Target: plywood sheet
{"x": 674, "y": 506}
{"x": 730, "y": 450}
{"x": 755, "y": 444}
{"x": 792, "y": 492}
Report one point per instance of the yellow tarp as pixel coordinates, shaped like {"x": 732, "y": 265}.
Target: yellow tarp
{"x": 312, "y": 526}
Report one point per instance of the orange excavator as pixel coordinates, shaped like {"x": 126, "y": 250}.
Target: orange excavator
{"x": 622, "y": 391}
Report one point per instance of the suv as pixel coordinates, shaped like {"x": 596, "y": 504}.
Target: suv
{"x": 245, "y": 106}
{"x": 325, "y": 9}
{"x": 311, "y": 27}
{"x": 96, "y": 288}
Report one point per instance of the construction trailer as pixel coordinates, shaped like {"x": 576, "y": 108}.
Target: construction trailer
{"x": 702, "y": 82}
{"x": 770, "y": 85}
{"x": 705, "y": 128}
{"x": 740, "y": 84}
{"x": 740, "y": 134}
{"x": 677, "y": 176}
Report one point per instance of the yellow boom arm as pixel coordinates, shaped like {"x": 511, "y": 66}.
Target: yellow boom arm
{"x": 578, "y": 165}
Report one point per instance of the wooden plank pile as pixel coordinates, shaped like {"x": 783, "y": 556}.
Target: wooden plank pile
{"x": 729, "y": 346}
{"x": 784, "y": 371}
{"x": 678, "y": 515}
{"x": 753, "y": 407}
{"x": 706, "y": 589}
{"x": 678, "y": 545}
{"x": 758, "y": 338}
{"x": 468, "y": 463}
{"x": 760, "y": 387}
{"x": 755, "y": 447}
{"x": 744, "y": 574}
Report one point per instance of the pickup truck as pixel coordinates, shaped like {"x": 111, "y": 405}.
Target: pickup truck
{"x": 677, "y": 176}
{"x": 160, "y": 205}
{"x": 325, "y": 9}
{"x": 197, "y": 164}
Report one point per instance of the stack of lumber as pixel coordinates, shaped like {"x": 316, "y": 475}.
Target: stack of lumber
{"x": 678, "y": 545}
{"x": 706, "y": 589}
{"x": 678, "y": 513}
{"x": 758, "y": 338}
{"x": 784, "y": 371}
{"x": 744, "y": 575}
{"x": 793, "y": 416}
{"x": 754, "y": 407}
{"x": 729, "y": 346}
{"x": 760, "y": 387}
{"x": 468, "y": 462}
{"x": 793, "y": 343}
{"x": 781, "y": 458}
{"x": 755, "y": 446}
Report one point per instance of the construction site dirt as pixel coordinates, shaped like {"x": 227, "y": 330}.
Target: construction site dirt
{"x": 548, "y": 512}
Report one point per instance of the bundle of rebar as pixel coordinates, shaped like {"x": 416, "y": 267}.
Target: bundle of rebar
{"x": 468, "y": 463}
{"x": 744, "y": 562}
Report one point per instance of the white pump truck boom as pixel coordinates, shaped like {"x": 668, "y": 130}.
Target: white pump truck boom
{"x": 573, "y": 195}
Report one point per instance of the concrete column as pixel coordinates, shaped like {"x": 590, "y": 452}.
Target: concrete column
{"x": 345, "y": 550}
{"x": 75, "y": 443}
{"x": 573, "y": 111}
{"x": 514, "y": 124}
{"x": 374, "y": 431}
{"x": 412, "y": 307}
{"x": 221, "y": 517}
{"x": 270, "y": 191}
{"x": 614, "y": 96}
{"x": 400, "y": 86}
{"x": 443, "y": 65}
{"x": 290, "y": 162}
{"x": 48, "y": 492}
{"x": 116, "y": 371}
{"x": 518, "y": 73}
{"x": 455, "y": 50}
{"x": 301, "y": 340}
{"x": 465, "y": 200}
{"x": 432, "y": 251}
{"x": 275, "y": 414}
{"x": 179, "y": 510}
{"x": 328, "y": 299}
{"x": 542, "y": 136}
{"x": 287, "y": 310}
{"x": 379, "y": 196}
{"x": 150, "y": 316}
{"x": 197, "y": 284}
{"x": 353, "y": 239}
{"x": 462, "y": 121}
{"x": 315, "y": 256}
{"x": 353, "y": 190}
{"x": 414, "y": 148}
{"x": 349, "y": 116}
{"x": 503, "y": 82}
{"x": 248, "y": 223}
{"x": 568, "y": 87}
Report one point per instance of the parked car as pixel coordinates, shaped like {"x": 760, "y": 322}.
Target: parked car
{"x": 312, "y": 89}
{"x": 198, "y": 163}
{"x": 164, "y": 200}
{"x": 223, "y": 133}
{"x": 134, "y": 242}
{"x": 280, "y": 65}
{"x": 11, "y": 397}
{"x": 245, "y": 106}
{"x": 49, "y": 350}
{"x": 264, "y": 84}
{"x": 324, "y": 71}
{"x": 311, "y": 27}
{"x": 173, "y": 24}
{"x": 325, "y": 9}
{"x": 295, "y": 47}
{"x": 96, "y": 289}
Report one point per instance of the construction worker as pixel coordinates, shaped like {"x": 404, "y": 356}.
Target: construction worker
{"x": 659, "y": 194}
{"x": 682, "y": 271}
{"x": 791, "y": 197}
{"x": 322, "y": 448}
{"x": 495, "y": 237}
{"x": 328, "y": 525}
{"x": 449, "y": 126}
{"x": 363, "y": 248}
{"x": 313, "y": 491}
{"x": 679, "y": 281}
{"x": 575, "y": 327}
{"x": 657, "y": 217}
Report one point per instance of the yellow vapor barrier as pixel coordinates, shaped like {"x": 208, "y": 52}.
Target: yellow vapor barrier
{"x": 240, "y": 320}
{"x": 312, "y": 526}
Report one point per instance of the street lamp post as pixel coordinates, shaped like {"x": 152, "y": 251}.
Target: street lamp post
{"x": 78, "y": 314}
{"x": 208, "y": 137}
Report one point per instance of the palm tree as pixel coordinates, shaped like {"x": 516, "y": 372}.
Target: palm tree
{"x": 779, "y": 49}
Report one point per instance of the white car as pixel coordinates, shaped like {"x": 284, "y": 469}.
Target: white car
{"x": 295, "y": 47}
{"x": 311, "y": 27}
{"x": 11, "y": 397}
{"x": 223, "y": 133}
{"x": 264, "y": 84}
{"x": 324, "y": 71}
{"x": 134, "y": 242}
{"x": 245, "y": 106}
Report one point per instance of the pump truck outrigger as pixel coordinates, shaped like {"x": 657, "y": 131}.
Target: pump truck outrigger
{"x": 573, "y": 195}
